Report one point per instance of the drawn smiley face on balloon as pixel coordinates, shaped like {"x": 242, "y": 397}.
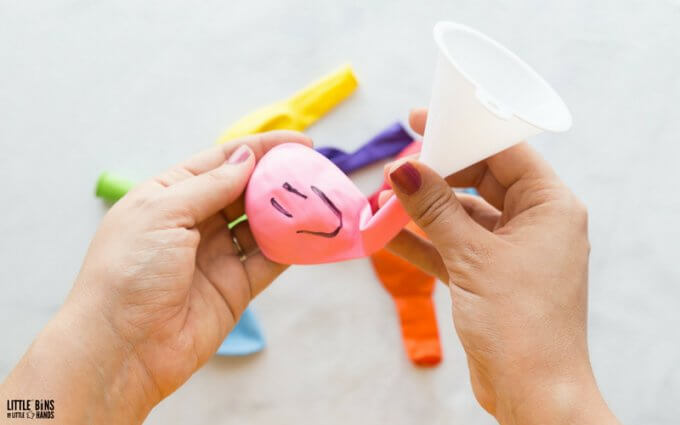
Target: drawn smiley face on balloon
{"x": 302, "y": 209}
{"x": 318, "y": 192}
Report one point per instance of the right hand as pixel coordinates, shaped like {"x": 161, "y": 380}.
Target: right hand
{"x": 516, "y": 262}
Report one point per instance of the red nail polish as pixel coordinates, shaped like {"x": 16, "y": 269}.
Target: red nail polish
{"x": 239, "y": 155}
{"x": 407, "y": 178}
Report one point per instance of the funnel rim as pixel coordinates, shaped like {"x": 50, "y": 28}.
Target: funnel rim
{"x": 442, "y": 27}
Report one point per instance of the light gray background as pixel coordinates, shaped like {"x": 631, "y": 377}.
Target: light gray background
{"x": 135, "y": 86}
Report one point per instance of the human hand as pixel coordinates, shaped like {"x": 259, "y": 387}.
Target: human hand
{"x": 161, "y": 286}
{"x": 516, "y": 262}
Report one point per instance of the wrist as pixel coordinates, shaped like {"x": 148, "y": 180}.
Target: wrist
{"x": 79, "y": 362}
{"x": 570, "y": 400}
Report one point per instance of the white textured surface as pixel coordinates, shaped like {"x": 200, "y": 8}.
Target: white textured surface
{"x": 134, "y": 86}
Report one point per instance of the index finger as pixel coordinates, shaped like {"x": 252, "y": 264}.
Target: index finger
{"x": 495, "y": 175}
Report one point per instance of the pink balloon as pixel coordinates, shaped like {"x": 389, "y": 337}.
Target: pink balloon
{"x": 302, "y": 209}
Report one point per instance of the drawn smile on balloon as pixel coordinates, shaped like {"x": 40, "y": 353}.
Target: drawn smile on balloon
{"x": 318, "y": 192}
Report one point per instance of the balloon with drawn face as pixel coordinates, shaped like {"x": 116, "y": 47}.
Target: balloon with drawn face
{"x": 302, "y": 209}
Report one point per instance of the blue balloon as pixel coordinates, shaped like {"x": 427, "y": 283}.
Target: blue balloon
{"x": 246, "y": 337}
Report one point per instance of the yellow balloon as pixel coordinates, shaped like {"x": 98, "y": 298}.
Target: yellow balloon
{"x": 300, "y": 110}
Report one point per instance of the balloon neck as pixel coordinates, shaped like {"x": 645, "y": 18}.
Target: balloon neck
{"x": 384, "y": 226}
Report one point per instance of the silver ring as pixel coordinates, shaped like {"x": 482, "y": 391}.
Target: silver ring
{"x": 239, "y": 251}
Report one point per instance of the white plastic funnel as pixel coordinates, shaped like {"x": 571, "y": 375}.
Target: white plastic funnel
{"x": 484, "y": 100}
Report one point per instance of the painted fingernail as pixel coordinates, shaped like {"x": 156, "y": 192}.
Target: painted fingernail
{"x": 407, "y": 178}
{"x": 239, "y": 155}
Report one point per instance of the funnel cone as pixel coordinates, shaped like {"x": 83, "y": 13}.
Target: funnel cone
{"x": 484, "y": 100}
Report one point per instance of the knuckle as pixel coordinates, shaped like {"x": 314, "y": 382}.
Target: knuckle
{"x": 576, "y": 211}
{"x": 468, "y": 259}
{"x": 474, "y": 255}
{"x": 581, "y": 212}
{"x": 143, "y": 201}
{"x": 216, "y": 175}
{"x": 152, "y": 202}
{"x": 182, "y": 237}
{"x": 165, "y": 211}
{"x": 435, "y": 207}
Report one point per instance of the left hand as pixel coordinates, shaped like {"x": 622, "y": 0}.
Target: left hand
{"x": 161, "y": 285}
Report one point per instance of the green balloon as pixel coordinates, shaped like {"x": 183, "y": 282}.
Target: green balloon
{"x": 112, "y": 187}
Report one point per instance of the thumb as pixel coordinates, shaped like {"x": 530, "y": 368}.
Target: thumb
{"x": 433, "y": 206}
{"x": 203, "y": 195}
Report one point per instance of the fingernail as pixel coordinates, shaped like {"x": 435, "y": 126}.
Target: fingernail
{"x": 239, "y": 155}
{"x": 407, "y": 178}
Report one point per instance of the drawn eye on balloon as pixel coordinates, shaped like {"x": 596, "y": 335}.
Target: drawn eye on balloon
{"x": 318, "y": 192}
